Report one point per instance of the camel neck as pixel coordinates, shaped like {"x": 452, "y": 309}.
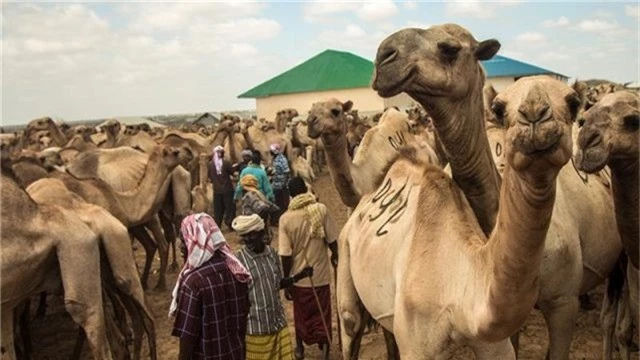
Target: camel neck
{"x": 460, "y": 128}
{"x": 624, "y": 185}
{"x": 340, "y": 168}
{"x": 515, "y": 249}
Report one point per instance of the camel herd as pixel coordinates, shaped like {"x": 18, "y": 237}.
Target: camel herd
{"x": 476, "y": 206}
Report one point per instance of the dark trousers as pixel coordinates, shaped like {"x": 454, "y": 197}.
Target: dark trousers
{"x": 282, "y": 200}
{"x": 224, "y": 208}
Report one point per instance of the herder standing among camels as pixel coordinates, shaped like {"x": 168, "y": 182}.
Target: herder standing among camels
{"x": 220, "y": 172}
{"x": 306, "y": 231}
{"x": 210, "y": 300}
{"x": 281, "y": 174}
{"x": 267, "y": 331}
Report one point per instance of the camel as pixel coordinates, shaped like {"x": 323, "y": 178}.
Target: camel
{"x": 133, "y": 193}
{"x": 301, "y": 167}
{"x": 582, "y": 246}
{"x": 609, "y": 137}
{"x": 355, "y": 178}
{"x": 114, "y": 238}
{"x": 59, "y": 244}
{"x": 47, "y": 124}
{"x": 263, "y": 136}
{"x": 283, "y": 117}
{"x": 419, "y": 217}
{"x": 312, "y": 148}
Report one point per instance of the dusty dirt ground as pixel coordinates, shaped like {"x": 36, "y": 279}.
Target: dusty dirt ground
{"x": 54, "y": 336}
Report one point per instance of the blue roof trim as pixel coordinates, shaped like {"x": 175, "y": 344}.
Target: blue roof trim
{"x": 503, "y": 66}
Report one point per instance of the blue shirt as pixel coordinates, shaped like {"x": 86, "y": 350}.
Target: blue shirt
{"x": 281, "y": 172}
{"x": 263, "y": 181}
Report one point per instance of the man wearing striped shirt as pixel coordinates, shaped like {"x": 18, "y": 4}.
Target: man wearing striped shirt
{"x": 267, "y": 332}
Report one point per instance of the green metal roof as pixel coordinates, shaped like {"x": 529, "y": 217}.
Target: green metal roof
{"x": 328, "y": 70}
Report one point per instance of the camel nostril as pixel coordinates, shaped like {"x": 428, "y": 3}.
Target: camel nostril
{"x": 593, "y": 139}
{"x": 387, "y": 56}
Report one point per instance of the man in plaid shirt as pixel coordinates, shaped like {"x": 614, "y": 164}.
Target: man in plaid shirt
{"x": 210, "y": 299}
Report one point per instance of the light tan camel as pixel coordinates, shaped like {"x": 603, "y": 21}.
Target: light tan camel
{"x": 355, "y": 178}
{"x": 60, "y": 247}
{"x": 609, "y": 137}
{"x": 114, "y": 239}
{"x": 419, "y": 216}
{"x": 582, "y": 246}
{"x": 46, "y": 123}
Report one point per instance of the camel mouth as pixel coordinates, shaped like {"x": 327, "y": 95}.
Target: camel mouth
{"x": 591, "y": 160}
{"x": 390, "y": 88}
{"x": 314, "y": 132}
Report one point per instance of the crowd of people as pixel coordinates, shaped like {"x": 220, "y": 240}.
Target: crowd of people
{"x": 227, "y": 305}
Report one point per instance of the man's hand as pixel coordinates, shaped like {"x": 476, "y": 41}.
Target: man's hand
{"x": 287, "y": 294}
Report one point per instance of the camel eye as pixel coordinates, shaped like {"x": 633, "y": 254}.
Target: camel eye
{"x": 335, "y": 112}
{"x": 631, "y": 122}
{"x": 573, "y": 101}
{"x": 498, "y": 110}
{"x": 449, "y": 49}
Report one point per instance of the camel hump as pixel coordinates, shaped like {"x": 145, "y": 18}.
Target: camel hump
{"x": 122, "y": 167}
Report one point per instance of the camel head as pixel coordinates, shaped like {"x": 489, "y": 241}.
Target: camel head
{"x": 610, "y": 131}
{"x": 284, "y": 116}
{"x": 428, "y": 64}
{"x": 538, "y": 112}
{"x": 50, "y": 158}
{"x": 173, "y": 156}
{"x": 327, "y": 118}
{"x": 40, "y": 124}
{"x": 112, "y": 127}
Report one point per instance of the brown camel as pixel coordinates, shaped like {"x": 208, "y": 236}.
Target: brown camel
{"x": 609, "y": 137}
{"x": 404, "y": 229}
{"x": 61, "y": 247}
{"x": 114, "y": 239}
{"x": 582, "y": 246}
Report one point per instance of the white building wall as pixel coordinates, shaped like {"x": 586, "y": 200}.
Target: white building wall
{"x": 364, "y": 100}
{"x": 500, "y": 83}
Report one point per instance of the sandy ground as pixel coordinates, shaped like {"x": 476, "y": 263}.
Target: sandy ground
{"x": 54, "y": 336}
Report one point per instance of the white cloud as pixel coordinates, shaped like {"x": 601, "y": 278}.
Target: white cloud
{"x": 377, "y": 10}
{"x": 354, "y": 31}
{"x": 596, "y": 25}
{"x": 319, "y": 11}
{"x": 410, "y": 5}
{"x": 531, "y": 37}
{"x": 473, "y": 8}
{"x": 559, "y": 22}
{"x": 554, "y": 56}
{"x": 143, "y": 66}
{"x": 633, "y": 11}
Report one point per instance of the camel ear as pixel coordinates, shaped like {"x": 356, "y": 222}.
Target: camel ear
{"x": 487, "y": 49}
{"x": 573, "y": 101}
{"x": 489, "y": 93}
{"x": 581, "y": 88}
{"x": 347, "y": 106}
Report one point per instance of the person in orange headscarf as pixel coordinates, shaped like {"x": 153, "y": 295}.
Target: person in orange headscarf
{"x": 254, "y": 202}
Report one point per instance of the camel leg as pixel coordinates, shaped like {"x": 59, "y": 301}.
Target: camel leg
{"x": 349, "y": 306}
{"x": 122, "y": 276}
{"x": 77, "y": 349}
{"x": 489, "y": 351}
{"x": 624, "y": 325}
{"x": 392, "y": 346}
{"x": 79, "y": 261}
{"x": 170, "y": 236}
{"x": 150, "y": 247}
{"x": 25, "y": 329}
{"x": 561, "y": 315}
{"x": 161, "y": 242}
{"x": 609, "y": 311}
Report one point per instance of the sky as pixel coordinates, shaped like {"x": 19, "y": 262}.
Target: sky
{"x": 84, "y": 60}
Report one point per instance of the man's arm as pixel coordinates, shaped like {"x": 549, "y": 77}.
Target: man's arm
{"x": 333, "y": 246}
{"x": 188, "y": 321}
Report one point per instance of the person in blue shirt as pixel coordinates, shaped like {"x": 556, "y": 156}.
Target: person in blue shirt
{"x": 256, "y": 170}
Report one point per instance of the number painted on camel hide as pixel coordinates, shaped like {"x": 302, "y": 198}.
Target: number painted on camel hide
{"x": 397, "y": 140}
{"x": 386, "y": 197}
